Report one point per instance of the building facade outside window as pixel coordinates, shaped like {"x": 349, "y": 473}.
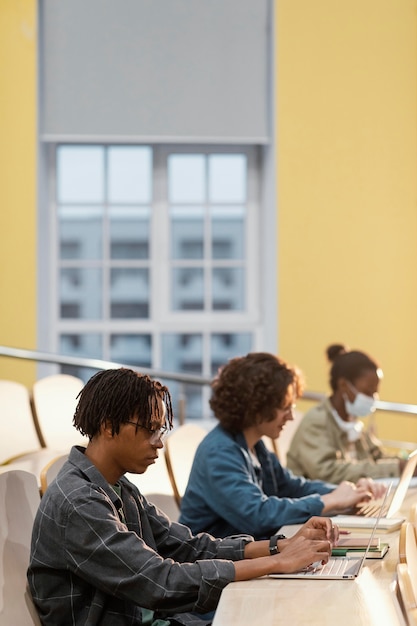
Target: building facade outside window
{"x": 155, "y": 260}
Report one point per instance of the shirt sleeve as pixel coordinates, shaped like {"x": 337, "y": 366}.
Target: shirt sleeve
{"x": 100, "y": 549}
{"x": 231, "y": 491}
{"x": 175, "y": 540}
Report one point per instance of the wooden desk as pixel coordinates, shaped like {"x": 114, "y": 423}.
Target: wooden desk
{"x": 366, "y": 601}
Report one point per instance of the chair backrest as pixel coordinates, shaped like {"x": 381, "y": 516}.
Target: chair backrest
{"x": 407, "y": 550}
{"x": 17, "y": 428}
{"x": 19, "y": 501}
{"x": 412, "y": 517}
{"x": 155, "y": 484}
{"x": 54, "y": 399}
{"x": 180, "y": 448}
{"x": 406, "y": 595}
{"x": 50, "y": 470}
{"x": 401, "y": 543}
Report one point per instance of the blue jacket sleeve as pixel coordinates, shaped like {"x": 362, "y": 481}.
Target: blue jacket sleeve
{"x": 223, "y": 477}
{"x": 280, "y": 480}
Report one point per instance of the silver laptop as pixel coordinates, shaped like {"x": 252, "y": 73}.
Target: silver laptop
{"x": 390, "y": 520}
{"x": 338, "y": 567}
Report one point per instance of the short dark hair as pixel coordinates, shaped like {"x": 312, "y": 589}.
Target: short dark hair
{"x": 349, "y": 364}
{"x": 250, "y": 388}
{"x": 116, "y": 396}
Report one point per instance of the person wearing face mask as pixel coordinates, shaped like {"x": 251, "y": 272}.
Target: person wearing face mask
{"x": 331, "y": 442}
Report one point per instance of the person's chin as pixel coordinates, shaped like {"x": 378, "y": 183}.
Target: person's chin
{"x": 141, "y": 469}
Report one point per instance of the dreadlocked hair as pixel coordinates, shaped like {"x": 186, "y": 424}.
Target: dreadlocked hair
{"x": 116, "y": 396}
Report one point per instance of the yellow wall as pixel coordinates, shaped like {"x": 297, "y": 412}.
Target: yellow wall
{"x": 347, "y": 215}
{"x": 347, "y": 185}
{"x": 18, "y": 183}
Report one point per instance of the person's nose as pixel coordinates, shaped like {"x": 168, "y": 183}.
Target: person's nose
{"x": 289, "y": 416}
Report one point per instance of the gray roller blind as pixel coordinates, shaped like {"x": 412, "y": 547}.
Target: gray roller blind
{"x": 155, "y": 70}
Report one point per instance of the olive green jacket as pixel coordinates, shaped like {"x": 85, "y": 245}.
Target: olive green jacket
{"x": 320, "y": 450}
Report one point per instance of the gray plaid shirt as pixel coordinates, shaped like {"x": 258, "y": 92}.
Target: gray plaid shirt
{"x": 88, "y": 567}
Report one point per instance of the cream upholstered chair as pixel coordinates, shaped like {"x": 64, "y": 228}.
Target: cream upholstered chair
{"x": 54, "y": 399}
{"x": 19, "y": 501}
{"x": 155, "y": 484}
{"x": 19, "y": 441}
{"x": 412, "y": 517}
{"x": 406, "y": 596}
{"x": 407, "y": 552}
{"x": 180, "y": 447}
{"x": 17, "y": 428}
{"x": 50, "y": 470}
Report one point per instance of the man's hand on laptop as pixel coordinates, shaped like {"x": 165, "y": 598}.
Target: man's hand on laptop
{"x": 300, "y": 552}
{"x": 317, "y": 528}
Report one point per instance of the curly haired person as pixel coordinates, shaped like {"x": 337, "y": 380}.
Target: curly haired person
{"x": 236, "y": 484}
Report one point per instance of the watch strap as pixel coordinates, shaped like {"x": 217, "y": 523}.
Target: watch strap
{"x": 273, "y": 543}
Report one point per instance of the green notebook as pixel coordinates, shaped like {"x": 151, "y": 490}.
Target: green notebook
{"x": 374, "y": 552}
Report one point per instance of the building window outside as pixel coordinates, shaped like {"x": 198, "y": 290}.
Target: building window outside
{"x": 156, "y": 257}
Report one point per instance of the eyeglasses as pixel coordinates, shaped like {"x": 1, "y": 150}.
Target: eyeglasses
{"x": 157, "y": 434}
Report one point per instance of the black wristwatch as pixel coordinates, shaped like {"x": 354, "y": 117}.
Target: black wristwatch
{"x": 273, "y": 543}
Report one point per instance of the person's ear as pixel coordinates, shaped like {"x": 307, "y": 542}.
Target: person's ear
{"x": 106, "y": 429}
{"x": 344, "y": 387}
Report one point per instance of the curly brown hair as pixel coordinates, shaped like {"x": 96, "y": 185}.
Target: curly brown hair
{"x": 249, "y": 389}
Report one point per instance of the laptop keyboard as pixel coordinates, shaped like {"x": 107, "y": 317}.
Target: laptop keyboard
{"x": 335, "y": 567}
{"x": 372, "y": 508}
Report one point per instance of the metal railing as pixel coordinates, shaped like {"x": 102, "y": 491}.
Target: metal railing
{"x": 99, "y": 364}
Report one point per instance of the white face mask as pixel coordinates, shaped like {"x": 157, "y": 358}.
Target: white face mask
{"x": 362, "y": 405}
{"x": 353, "y": 428}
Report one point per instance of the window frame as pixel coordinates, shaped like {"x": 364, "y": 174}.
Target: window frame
{"x": 161, "y": 319}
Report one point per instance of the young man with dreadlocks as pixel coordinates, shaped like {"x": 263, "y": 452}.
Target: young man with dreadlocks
{"x": 102, "y": 554}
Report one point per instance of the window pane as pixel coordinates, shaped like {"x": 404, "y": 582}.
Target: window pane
{"x": 129, "y": 233}
{"x": 188, "y": 289}
{"x": 228, "y": 289}
{"x": 80, "y": 174}
{"x": 228, "y": 232}
{"x": 187, "y": 232}
{"x": 227, "y": 178}
{"x": 129, "y": 293}
{"x": 130, "y": 174}
{"x": 186, "y": 178}
{"x": 80, "y": 293}
{"x": 80, "y": 346}
{"x": 83, "y": 345}
{"x": 129, "y": 349}
{"x": 182, "y": 353}
{"x": 80, "y": 233}
{"x": 225, "y": 346}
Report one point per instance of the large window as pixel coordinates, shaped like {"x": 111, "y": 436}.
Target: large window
{"x": 155, "y": 259}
